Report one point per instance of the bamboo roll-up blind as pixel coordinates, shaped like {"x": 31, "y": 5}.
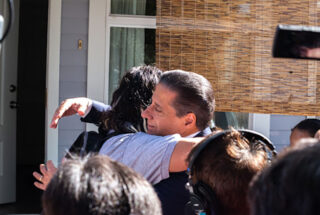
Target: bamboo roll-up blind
{"x": 230, "y": 42}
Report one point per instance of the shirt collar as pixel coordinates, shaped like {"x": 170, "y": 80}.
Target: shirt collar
{"x": 196, "y": 133}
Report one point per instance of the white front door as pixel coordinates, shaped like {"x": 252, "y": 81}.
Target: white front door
{"x": 8, "y": 95}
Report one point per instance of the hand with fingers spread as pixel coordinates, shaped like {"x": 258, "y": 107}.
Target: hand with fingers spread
{"x": 47, "y": 172}
{"x": 70, "y": 107}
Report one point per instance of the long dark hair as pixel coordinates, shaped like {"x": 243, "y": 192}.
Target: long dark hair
{"x": 133, "y": 95}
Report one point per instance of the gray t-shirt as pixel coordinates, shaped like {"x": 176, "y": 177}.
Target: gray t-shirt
{"x": 147, "y": 154}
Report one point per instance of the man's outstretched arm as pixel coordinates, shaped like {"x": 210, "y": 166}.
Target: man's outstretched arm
{"x": 180, "y": 153}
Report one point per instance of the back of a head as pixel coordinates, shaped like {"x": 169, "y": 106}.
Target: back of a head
{"x": 97, "y": 185}
{"x": 194, "y": 95}
{"x": 133, "y": 95}
{"x": 291, "y": 185}
{"x": 227, "y": 165}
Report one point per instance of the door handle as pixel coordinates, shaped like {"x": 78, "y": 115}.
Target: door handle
{"x": 14, "y": 105}
{"x": 12, "y": 88}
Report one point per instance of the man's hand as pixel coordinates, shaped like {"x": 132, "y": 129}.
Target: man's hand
{"x": 70, "y": 107}
{"x": 47, "y": 172}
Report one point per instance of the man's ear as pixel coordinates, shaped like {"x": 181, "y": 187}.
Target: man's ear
{"x": 190, "y": 119}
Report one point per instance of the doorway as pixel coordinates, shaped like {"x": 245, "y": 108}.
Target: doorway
{"x": 31, "y": 97}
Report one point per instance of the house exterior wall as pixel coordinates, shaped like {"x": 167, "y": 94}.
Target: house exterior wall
{"x": 73, "y": 77}
{"x": 73, "y": 66}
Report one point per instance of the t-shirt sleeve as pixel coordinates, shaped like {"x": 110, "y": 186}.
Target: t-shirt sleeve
{"x": 150, "y": 155}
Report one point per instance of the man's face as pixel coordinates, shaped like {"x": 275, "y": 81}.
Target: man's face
{"x": 161, "y": 115}
{"x": 297, "y": 135}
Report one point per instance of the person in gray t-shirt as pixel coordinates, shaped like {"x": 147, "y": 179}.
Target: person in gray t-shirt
{"x": 182, "y": 103}
{"x": 165, "y": 153}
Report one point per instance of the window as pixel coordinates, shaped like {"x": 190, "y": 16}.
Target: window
{"x": 226, "y": 119}
{"x": 130, "y": 37}
{"x": 134, "y": 7}
{"x": 129, "y": 47}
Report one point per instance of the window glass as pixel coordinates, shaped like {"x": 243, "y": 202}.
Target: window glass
{"x": 134, "y": 7}
{"x": 129, "y": 47}
{"x": 226, "y": 119}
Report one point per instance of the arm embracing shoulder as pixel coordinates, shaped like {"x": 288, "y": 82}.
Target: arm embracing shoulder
{"x": 180, "y": 153}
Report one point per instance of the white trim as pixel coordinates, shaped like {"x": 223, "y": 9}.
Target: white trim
{"x": 311, "y": 117}
{"x": 53, "y": 64}
{"x": 96, "y": 79}
{"x": 132, "y": 21}
{"x": 96, "y": 50}
{"x": 260, "y": 123}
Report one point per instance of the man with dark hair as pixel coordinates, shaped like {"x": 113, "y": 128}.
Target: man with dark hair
{"x": 307, "y": 128}
{"x": 182, "y": 103}
{"x": 98, "y": 185}
{"x": 221, "y": 171}
{"x": 291, "y": 185}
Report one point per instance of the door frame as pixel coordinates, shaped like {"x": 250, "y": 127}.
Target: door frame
{"x": 52, "y": 82}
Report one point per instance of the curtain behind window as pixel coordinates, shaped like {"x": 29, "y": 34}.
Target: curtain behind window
{"x": 133, "y": 7}
{"x": 126, "y": 51}
{"x": 126, "y": 44}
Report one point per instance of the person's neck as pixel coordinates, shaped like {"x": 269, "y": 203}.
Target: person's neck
{"x": 190, "y": 132}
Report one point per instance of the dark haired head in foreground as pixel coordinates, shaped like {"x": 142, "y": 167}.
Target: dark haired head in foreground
{"x": 291, "y": 185}
{"x": 226, "y": 166}
{"x": 98, "y": 185}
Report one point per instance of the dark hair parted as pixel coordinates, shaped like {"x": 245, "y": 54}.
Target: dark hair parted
{"x": 98, "y": 185}
{"x": 309, "y": 125}
{"x": 227, "y": 166}
{"x": 291, "y": 185}
{"x": 194, "y": 95}
{"x": 133, "y": 95}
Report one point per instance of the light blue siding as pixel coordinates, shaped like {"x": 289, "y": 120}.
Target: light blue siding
{"x": 73, "y": 66}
